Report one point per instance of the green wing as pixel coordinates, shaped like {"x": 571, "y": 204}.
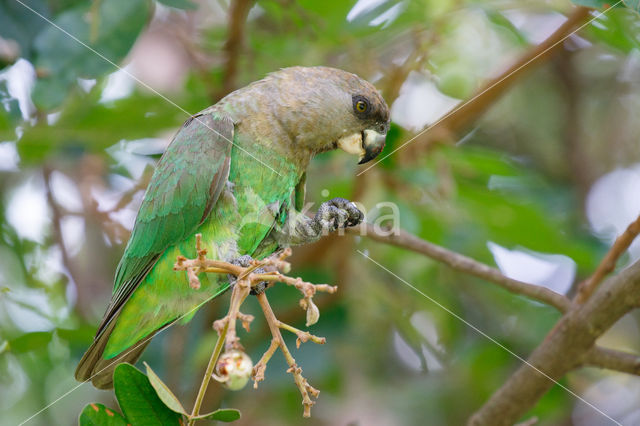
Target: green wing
{"x": 184, "y": 188}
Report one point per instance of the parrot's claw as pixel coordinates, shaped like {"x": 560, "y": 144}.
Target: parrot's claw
{"x": 337, "y": 213}
{"x": 247, "y": 261}
{"x": 244, "y": 261}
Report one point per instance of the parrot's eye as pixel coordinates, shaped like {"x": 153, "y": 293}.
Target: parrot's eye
{"x": 360, "y": 105}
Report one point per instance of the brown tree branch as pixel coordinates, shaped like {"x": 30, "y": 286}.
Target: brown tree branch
{"x": 611, "y": 359}
{"x": 462, "y": 116}
{"x": 608, "y": 263}
{"x": 568, "y": 346}
{"x": 463, "y": 264}
{"x": 237, "y": 19}
{"x": 563, "y": 349}
{"x": 582, "y": 172}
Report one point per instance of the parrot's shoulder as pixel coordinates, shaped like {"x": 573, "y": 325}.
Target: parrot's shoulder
{"x": 184, "y": 188}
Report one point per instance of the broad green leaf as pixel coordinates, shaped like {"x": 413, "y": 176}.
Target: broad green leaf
{"x": 82, "y": 334}
{"x": 139, "y": 401}
{"x": 98, "y": 415}
{"x": 30, "y": 341}
{"x": 221, "y": 415}
{"x": 21, "y": 25}
{"x": 92, "y": 37}
{"x": 163, "y": 391}
{"x": 180, "y": 4}
{"x": 49, "y": 92}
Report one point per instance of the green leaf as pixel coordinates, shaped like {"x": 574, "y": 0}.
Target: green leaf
{"x": 619, "y": 29}
{"x": 86, "y": 125}
{"x": 30, "y": 341}
{"x": 98, "y": 415}
{"x": 163, "y": 391}
{"x": 10, "y": 114}
{"x": 21, "y": 25}
{"x": 139, "y": 401}
{"x": 93, "y": 37}
{"x": 49, "y": 92}
{"x": 499, "y": 20}
{"x": 222, "y": 415}
{"x": 82, "y": 334}
{"x": 180, "y": 4}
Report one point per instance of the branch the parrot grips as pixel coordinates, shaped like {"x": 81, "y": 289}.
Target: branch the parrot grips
{"x": 231, "y": 368}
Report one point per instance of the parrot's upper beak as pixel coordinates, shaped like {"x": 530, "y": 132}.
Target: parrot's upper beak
{"x": 367, "y": 144}
{"x": 372, "y": 142}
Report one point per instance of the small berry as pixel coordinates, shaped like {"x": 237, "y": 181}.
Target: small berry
{"x": 233, "y": 369}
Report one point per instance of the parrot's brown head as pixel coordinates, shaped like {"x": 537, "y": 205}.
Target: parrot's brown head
{"x": 321, "y": 108}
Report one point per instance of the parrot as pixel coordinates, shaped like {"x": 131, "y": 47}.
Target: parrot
{"x": 235, "y": 173}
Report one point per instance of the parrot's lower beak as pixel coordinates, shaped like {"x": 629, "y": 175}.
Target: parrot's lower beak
{"x": 366, "y": 145}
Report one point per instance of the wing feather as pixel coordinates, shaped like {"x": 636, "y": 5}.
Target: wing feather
{"x": 184, "y": 188}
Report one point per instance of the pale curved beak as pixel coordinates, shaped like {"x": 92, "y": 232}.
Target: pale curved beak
{"x": 373, "y": 143}
{"x": 366, "y": 145}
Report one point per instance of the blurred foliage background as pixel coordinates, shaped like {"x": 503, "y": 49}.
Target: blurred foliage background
{"x": 539, "y": 184}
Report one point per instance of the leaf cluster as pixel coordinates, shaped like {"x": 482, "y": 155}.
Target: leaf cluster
{"x": 145, "y": 400}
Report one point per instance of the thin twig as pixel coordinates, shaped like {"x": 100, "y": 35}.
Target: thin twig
{"x": 608, "y": 263}
{"x": 237, "y": 19}
{"x": 306, "y": 390}
{"x": 240, "y": 292}
{"x": 611, "y": 359}
{"x": 463, "y": 264}
{"x": 249, "y": 278}
{"x": 207, "y": 375}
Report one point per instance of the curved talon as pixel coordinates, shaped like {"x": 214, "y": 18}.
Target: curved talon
{"x": 337, "y": 213}
{"x": 247, "y": 261}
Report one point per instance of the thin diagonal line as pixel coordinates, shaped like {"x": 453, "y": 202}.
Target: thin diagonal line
{"x": 145, "y": 84}
{"x": 146, "y": 339}
{"x": 482, "y": 333}
{"x": 462, "y": 105}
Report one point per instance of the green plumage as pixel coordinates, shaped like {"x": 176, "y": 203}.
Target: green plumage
{"x": 234, "y": 194}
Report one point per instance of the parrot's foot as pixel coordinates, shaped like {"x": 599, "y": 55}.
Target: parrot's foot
{"x": 336, "y": 213}
{"x": 247, "y": 261}
{"x": 306, "y": 390}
